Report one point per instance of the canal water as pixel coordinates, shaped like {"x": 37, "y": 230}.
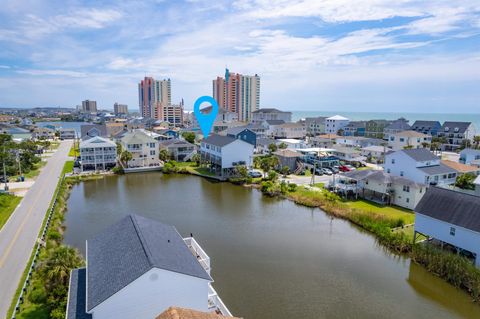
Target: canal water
{"x": 271, "y": 258}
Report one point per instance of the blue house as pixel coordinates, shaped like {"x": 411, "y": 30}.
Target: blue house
{"x": 243, "y": 134}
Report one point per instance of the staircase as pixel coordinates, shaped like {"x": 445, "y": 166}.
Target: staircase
{"x": 299, "y": 168}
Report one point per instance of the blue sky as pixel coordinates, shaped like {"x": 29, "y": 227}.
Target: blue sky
{"x": 333, "y": 55}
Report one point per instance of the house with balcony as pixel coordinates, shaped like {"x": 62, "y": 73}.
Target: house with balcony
{"x": 43, "y": 133}
{"x": 419, "y": 165}
{"x": 375, "y": 128}
{"x": 289, "y": 130}
{"x": 335, "y": 123}
{"x": 358, "y": 141}
{"x": 97, "y": 153}
{"x": 456, "y": 134}
{"x": 355, "y": 128}
{"x": 67, "y": 133}
{"x": 224, "y": 153}
{"x": 315, "y": 125}
{"x": 143, "y": 147}
{"x": 380, "y": 187}
{"x": 408, "y": 139}
{"x": 138, "y": 268}
{"x": 427, "y": 127}
{"x": 266, "y": 114}
{"x": 347, "y": 154}
{"x": 374, "y": 153}
{"x": 179, "y": 150}
{"x": 394, "y": 127}
{"x": 450, "y": 217}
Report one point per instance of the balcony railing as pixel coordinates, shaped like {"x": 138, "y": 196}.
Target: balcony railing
{"x": 199, "y": 253}
{"x": 215, "y": 303}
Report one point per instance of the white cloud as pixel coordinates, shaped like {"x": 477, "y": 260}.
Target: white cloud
{"x": 58, "y": 73}
{"x": 4, "y": 67}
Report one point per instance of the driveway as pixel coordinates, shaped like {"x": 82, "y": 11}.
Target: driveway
{"x": 19, "y": 234}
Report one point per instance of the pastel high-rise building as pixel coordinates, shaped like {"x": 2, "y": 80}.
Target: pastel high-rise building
{"x": 120, "y": 109}
{"x": 153, "y": 96}
{"x": 238, "y": 93}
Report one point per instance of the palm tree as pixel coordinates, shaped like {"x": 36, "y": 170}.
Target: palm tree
{"x": 476, "y": 140}
{"x": 56, "y": 269}
{"x": 126, "y": 157}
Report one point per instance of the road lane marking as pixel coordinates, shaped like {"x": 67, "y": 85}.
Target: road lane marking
{"x": 22, "y": 225}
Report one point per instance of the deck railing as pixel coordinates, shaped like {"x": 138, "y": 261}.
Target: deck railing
{"x": 216, "y": 304}
{"x": 199, "y": 253}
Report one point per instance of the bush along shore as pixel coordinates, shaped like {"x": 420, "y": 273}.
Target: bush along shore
{"x": 455, "y": 269}
{"x": 47, "y": 290}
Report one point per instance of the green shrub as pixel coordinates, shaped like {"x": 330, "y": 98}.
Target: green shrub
{"x": 292, "y": 187}
{"x": 118, "y": 170}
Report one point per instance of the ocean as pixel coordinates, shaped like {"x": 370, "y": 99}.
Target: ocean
{"x": 412, "y": 117}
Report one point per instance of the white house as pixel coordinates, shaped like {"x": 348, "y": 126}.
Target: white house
{"x": 289, "y": 130}
{"x": 420, "y": 165}
{"x": 450, "y": 217}
{"x": 335, "y": 123}
{"x": 374, "y": 153}
{"x": 315, "y": 125}
{"x": 67, "y": 133}
{"x": 97, "y": 153}
{"x": 408, "y": 139}
{"x": 224, "y": 153}
{"x": 456, "y": 133}
{"x": 378, "y": 186}
{"x": 264, "y": 114}
{"x": 180, "y": 150}
{"x": 144, "y": 149}
{"x": 469, "y": 155}
{"x": 348, "y": 154}
{"x": 138, "y": 268}
{"x": 293, "y": 144}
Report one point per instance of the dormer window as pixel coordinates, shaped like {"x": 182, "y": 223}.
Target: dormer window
{"x": 456, "y": 130}
{"x": 447, "y": 129}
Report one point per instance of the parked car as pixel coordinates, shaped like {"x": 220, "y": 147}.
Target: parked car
{"x": 343, "y": 168}
{"x": 318, "y": 171}
{"x": 254, "y": 174}
{"x": 334, "y": 170}
{"x": 326, "y": 171}
{"x": 2, "y": 179}
{"x": 350, "y": 167}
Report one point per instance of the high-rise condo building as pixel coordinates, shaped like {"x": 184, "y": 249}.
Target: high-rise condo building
{"x": 153, "y": 96}
{"x": 89, "y": 106}
{"x": 120, "y": 109}
{"x": 238, "y": 93}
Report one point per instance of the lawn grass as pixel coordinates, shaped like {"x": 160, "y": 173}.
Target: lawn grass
{"x": 74, "y": 151}
{"x": 319, "y": 185}
{"x": 394, "y": 212}
{"x": 8, "y": 203}
{"x": 364, "y": 168}
{"x": 32, "y": 173}
{"x": 68, "y": 167}
{"x": 200, "y": 171}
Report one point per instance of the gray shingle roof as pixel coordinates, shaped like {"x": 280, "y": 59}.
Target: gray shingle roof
{"x": 237, "y": 130}
{"x": 462, "y": 127}
{"x": 453, "y": 207}
{"x": 268, "y": 110}
{"x": 420, "y": 154}
{"x": 219, "y": 140}
{"x": 400, "y": 124}
{"x": 275, "y": 122}
{"x": 77, "y": 295}
{"x": 128, "y": 249}
{"x": 425, "y": 125}
{"x": 437, "y": 169}
{"x": 87, "y": 130}
{"x": 380, "y": 176}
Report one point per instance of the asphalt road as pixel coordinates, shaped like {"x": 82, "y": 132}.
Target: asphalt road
{"x": 19, "y": 234}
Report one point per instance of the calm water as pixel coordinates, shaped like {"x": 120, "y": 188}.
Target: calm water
{"x": 270, "y": 257}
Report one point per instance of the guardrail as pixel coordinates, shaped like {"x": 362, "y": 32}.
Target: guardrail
{"x": 38, "y": 246}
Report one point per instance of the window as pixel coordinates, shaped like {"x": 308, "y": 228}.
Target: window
{"x": 406, "y": 188}
{"x": 152, "y": 152}
{"x": 388, "y": 170}
{"x": 401, "y": 173}
{"x": 452, "y": 231}
{"x": 408, "y": 200}
{"x": 393, "y": 161}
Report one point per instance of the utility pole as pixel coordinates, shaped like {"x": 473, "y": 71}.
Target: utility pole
{"x": 4, "y": 171}
{"x": 312, "y": 182}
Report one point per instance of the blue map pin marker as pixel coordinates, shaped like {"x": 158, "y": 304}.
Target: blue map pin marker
{"x": 205, "y": 120}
